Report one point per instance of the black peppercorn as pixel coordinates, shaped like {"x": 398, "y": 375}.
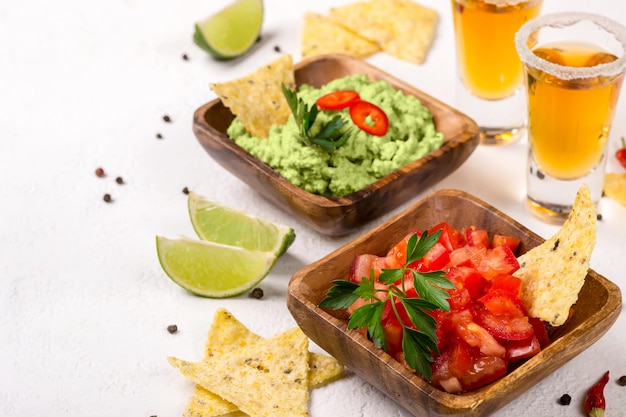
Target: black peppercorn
{"x": 172, "y": 328}
{"x": 185, "y": 190}
{"x": 119, "y": 180}
{"x": 622, "y": 380}
{"x": 167, "y": 119}
{"x": 185, "y": 57}
{"x": 565, "y": 399}
{"x": 107, "y": 198}
{"x": 256, "y": 293}
{"x": 159, "y": 136}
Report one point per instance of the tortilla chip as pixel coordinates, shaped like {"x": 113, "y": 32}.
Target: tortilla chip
{"x": 257, "y": 99}
{"x": 323, "y": 369}
{"x": 267, "y": 379}
{"x": 228, "y": 333}
{"x": 320, "y": 35}
{"x": 204, "y": 403}
{"x": 553, "y": 273}
{"x": 402, "y": 28}
{"x": 615, "y": 187}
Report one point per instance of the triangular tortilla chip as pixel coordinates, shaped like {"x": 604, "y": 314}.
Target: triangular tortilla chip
{"x": 227, "y": 333}
{"x": 402, "y": 28}
{"x": 553, "y": 273}
{"x": 320, "y": 35}
{"x": 257, "y": 99}
{"x": 267, "y": 379}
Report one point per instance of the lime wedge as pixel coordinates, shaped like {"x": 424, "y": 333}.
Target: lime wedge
{"x": 211, "y": 269}
{"x": 232, "y": 31}
{"x": 217, "y": 223}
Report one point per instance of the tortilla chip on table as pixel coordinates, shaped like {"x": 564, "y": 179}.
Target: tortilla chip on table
{"x": 321, "y": 35}
{"x": 402, "y": 28}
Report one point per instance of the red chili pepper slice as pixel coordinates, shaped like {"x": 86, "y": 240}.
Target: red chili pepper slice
{"x": 337, "y": 100}
{"x": 369, "y": 117}
{"x": 595, "y": 403}
{"x": 621, "y": 153}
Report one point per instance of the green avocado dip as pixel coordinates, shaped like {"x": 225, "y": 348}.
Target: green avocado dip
{"x": 364, "y": 158}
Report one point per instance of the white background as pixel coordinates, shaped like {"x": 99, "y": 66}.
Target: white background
{"x": 84, "y": 304}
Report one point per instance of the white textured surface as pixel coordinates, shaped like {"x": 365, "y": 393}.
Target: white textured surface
{"x": 84, "y": 304}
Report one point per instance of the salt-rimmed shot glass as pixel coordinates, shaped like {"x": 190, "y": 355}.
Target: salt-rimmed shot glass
{"x": 489, "y": 73}
{"x": 574, "y": 65}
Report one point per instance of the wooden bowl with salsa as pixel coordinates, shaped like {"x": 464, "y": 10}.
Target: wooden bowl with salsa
{"x": 597, "y": 308}
{"x": 336, "y": 216}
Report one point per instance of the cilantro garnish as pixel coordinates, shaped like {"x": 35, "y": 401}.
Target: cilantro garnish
{"x": 419, "y": 341}
{"x": 330, "y": 137}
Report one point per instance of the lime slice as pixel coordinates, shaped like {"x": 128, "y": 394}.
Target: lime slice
{"x": 211, "y": 269}
{"x": 232, "y": 31}
{"x": 217, "y": 223}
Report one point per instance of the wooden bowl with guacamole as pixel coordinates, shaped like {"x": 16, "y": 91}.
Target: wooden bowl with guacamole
{"x": 598, "y": 306}
{"x": 339, "y": 215}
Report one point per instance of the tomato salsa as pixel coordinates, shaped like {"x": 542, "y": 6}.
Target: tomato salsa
{"x": 487, "y": 329}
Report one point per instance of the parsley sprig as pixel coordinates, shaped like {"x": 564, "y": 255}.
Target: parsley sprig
{"x": 419, "y": 341}
{"x": 330, "y": 137}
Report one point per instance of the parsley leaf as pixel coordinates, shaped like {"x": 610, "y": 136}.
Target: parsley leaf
{"x": 419, "y": 339}
{"x": 330, "y": 137}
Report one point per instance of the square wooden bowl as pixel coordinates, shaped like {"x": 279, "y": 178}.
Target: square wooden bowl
{"x": 598, "y": 307}
{"x": 337, "y": 216}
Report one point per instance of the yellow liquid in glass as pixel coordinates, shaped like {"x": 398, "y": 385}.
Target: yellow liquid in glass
{"x": 569, "y": 120}
{"x": 485, "y": 37}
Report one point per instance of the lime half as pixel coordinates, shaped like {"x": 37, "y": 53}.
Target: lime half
{"x": 210, "y": 269}
{"x": 217, "y": 223}
{"x": 232, "y": 31}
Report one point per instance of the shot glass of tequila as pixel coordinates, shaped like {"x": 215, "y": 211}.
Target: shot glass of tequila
{"x": 490, "y": 74}
{"x": 574, "y": 65}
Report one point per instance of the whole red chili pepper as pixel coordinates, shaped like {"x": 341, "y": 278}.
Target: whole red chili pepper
{"x": 595, "y": 402}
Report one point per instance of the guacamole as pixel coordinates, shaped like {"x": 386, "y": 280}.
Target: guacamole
{"x": 363, "y": 158}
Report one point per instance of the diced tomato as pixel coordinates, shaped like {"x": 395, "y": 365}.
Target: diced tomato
{"x": 445, "y": 329}
{"x": 476, "y": 335}
{"x": 477, "y": 237}
{"x": 499, "y": 260}
{"x": 358, "y": 303}
{"x": 459, "y": 298}
{"x": 541, "y": 333}
{"x": 337, "y": 100}
{"x": 396, "y": 257}
{"x": 369, "y": 117}
{"x": 467, "y": 256}
{"x": 505, "y": 327}
{"x": 450, "y": 237}
{"x": 461, "y": 369}
{"x": 441, "y": 371}
{"x": 511, "y": 242}
{"x": 392, "y": 329}
{"x": 485, "y": 370}
{"x": 521, "y": 349}
{"x": 503, "y": 318}
{"x": 468, "y": 278}
{"x": 500, "y": 302}
{"x": 434, "y": 260}
{"x": 361, "y": 267}
{"x": 506, "y": 282}
{"x": 364, "y": 265}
